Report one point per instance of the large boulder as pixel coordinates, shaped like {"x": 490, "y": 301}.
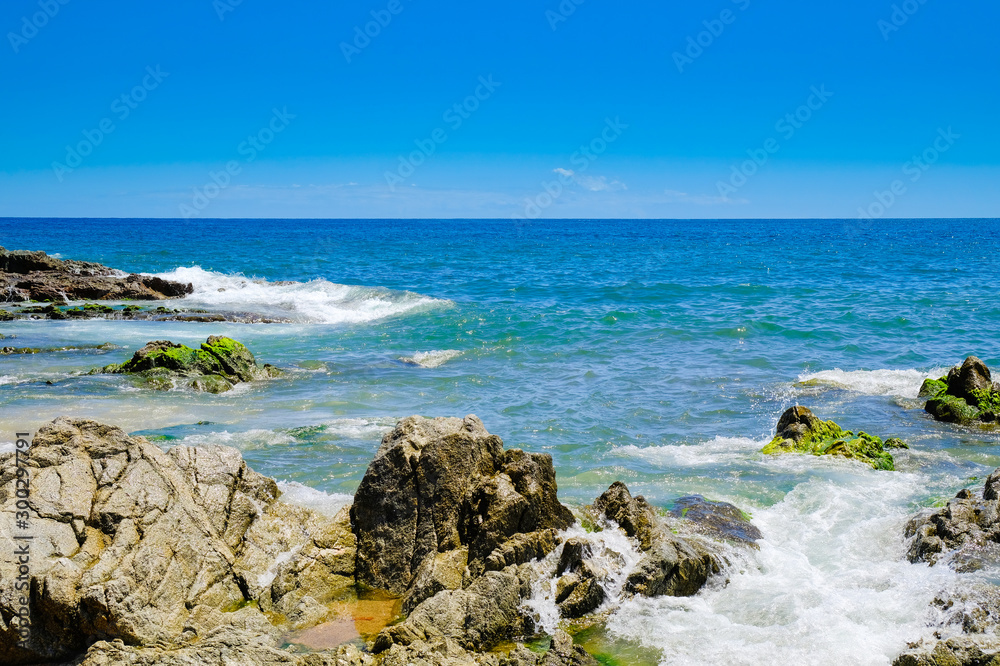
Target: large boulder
{"x": 151, "y": 548}
{"x": 37, "y": 276}
{"x": 215, "y": 367}
{"x": 446, "y": 485}
{"x": 801, "y": 431}
{"x": 966, "y": 395}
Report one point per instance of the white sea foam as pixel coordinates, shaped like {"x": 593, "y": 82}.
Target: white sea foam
{"x": 902, "y": 383}
{"x": 314, "y": 301}
{"x": 431, "y": 359}
{"x": 612, "y": 552}
{"x": 247, "y": 440}
{"x": 328, "y": 504}
{"x": 714, "y": 451}
{"x": 361, "y": 428}
{"x": 830, "y": 585}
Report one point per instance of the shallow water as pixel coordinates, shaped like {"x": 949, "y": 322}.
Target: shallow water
{"x": 658, "y": 353}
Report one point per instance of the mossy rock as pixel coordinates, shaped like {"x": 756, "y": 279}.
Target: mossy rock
{"x": 966, "y": 396}
{"x": 219, "y": 364}
{"x": 801, "y": 431}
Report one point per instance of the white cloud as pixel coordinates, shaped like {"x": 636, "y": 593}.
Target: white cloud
{"x": 592, "y": 183}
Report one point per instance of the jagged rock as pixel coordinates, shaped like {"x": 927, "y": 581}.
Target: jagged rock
{"x": 219, "y": 364}
{"x": 958, "y": 651}
{"x": 966, "y": 395}
{"x": 717, "y": 519}
{"x": 443, "y": 484}
{"x": 802, "y": 431}
{"x": 477, "y": 618}
{"x": 38, "y": 277}
{"x": 672, "y": 567}
{"x": 136, "y": 544}
{"x": 633, "y": 514}
{"x": 226, "y": 647}
{"x": 967, "y": 529}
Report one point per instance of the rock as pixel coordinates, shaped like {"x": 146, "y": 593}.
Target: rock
{"x": 672, "y": 567}
{"x": 718, "y": 519}
{"x": 149, "y": 547}
{"x": 477, "y": 618}
{"x": 224, "y": 648}
{"x": 219, "y": 364}
{"x": 802, "y": 431}
{"x": 966, "y": 396}
{"x": 37, "y": 276}
{"x": 958, "y": 651}
{"x": 438, "y": 485}
{"x": 967, "y": 529}
{"x": 580, "y": 592}
{"x": 564, "y": 653}
{"x": 634, "y": 515}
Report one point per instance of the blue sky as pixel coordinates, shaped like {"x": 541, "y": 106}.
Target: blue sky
{"x": 705, "y": 109}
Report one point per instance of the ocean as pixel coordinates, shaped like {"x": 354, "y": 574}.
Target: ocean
{"x": 660, "y": 353}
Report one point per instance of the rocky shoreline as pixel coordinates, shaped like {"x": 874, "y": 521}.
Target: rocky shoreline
{"x": 34, "y": 285}
{"x": 188, "y": 556}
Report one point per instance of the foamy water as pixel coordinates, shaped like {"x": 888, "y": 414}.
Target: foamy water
{"x": 318, "y": 300}
{"x": 831, "y": 585}
{"x": 431, "y": 359}
{"x": 901, "y": 383}
{"x": 328, "y": 504}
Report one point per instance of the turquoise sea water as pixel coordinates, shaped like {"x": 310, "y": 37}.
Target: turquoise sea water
{"x": 656, "y": 352}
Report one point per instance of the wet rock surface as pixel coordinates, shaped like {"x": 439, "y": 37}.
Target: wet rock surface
{"x": 967, "y": 395}
{"x": 36, "y": 276}
{"x": 966, "y": 530}
{"x": 801, "y": 431}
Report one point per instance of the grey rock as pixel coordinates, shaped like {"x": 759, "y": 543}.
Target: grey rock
{"x": 442, "y": 484}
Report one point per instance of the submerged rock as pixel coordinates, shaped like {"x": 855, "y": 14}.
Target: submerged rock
{"x": 966, "y": 395}
{"x": 799, "y": 430}
{"x": 35, "y": 276}
{"x": 718, "y": 519}
{"x": 216, "y": 367}
{"x": 967, "y": 529}
{"x": 157, "y": 549}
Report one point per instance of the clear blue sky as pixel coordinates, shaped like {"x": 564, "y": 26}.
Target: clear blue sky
{"x": 664, "y": 119}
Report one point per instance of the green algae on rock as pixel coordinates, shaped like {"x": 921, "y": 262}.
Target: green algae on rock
{"x": 799, "y": 430}
{"x": 967, "y": 395}
{"x": 220, "y": 363}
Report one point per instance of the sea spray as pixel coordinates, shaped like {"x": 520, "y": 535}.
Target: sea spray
{"x": 318, "y": 301}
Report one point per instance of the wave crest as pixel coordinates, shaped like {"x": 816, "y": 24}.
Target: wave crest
{"x": 901, "y": 383}
{"x": 316, "y": 301}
